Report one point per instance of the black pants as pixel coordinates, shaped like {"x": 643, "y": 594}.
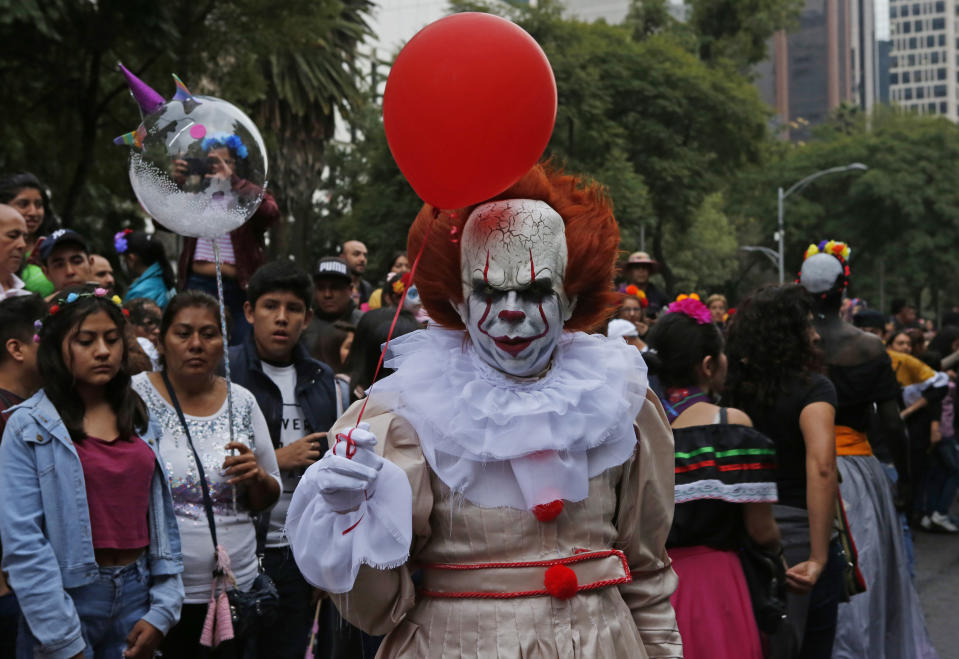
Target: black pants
{"x": 824, "y": 608}
{"x": 289, "y": 635}
{"x": 9, "y": 621}
{"x": 183, "y": 640}
{"x": 814, "y": 614}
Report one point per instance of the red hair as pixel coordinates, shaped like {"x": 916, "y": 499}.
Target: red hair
{"x": 592, "y": 239}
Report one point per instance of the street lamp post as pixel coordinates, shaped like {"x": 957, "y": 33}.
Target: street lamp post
{"x": 796, "y": 187}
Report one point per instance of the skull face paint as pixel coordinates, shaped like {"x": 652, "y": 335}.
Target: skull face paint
{"x": 513, "y": 262}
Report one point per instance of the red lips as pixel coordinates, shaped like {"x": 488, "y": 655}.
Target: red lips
{"x": 513, "y": 346}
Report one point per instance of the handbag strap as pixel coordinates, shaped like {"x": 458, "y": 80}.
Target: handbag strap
{"x": 207, "y": 499}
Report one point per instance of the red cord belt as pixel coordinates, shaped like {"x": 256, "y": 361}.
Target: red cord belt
{"x": 561, "y": 577}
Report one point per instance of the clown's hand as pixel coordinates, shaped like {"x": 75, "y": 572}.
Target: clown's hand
{"x": 347, "y": 474}
{"x": 351, "y": 508}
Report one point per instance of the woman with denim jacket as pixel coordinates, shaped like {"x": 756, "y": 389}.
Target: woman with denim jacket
{"x": 90, "y": 540}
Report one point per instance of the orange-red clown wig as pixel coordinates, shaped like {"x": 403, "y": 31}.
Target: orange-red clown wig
{"x": 592, "y": 239}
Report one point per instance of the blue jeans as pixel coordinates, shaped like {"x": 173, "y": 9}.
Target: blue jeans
{"x": 108, "y": 609}
{"x": 904, "y": 523}
{"x": 942, "y": 481}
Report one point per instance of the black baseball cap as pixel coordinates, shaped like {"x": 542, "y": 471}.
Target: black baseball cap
{"x": 332, "y": 266}
{"x": 869, "y": 318}
{"x": 61, "y": 237}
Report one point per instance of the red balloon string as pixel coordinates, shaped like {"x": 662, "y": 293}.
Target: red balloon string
{"x": 396, "y": 316}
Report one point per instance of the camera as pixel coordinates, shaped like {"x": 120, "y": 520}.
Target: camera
{"x": 197, "y": 166}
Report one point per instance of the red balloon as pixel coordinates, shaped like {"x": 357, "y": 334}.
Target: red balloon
{"x": 469, "y": 107}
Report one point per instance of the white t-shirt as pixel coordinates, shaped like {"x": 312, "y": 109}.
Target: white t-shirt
{"x": 292, "y": 428}
{"x": 234, "y": 526}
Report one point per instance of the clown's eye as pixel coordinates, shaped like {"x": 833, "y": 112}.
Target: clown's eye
{"x": 540, "y": 290}
{"x": 482, "y": 289}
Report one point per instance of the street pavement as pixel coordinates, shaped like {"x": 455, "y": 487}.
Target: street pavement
{"x": 937, "y": 580}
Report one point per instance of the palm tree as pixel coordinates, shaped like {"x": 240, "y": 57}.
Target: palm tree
{"x": 305, "y": 89}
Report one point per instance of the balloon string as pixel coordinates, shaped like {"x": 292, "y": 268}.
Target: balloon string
{"x": 226, "y": 351}
{"x": 396, "y": 316}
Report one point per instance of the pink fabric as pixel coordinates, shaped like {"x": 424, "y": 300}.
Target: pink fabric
{"x": 204, "y": 250}
{"x": 118, "y": 475}
{"x": 713, "y": 609}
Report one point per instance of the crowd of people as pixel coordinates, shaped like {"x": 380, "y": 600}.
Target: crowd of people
{"x": 146, "y": 499}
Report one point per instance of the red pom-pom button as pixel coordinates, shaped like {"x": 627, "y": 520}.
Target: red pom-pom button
{"x": 547, "y": 512}
{"x": 560, "y": 582}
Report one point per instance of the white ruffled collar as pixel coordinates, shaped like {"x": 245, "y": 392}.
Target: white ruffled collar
{"x": 504, "y": 441}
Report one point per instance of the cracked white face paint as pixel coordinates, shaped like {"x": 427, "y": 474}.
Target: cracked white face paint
{"x": 513, "y": 261}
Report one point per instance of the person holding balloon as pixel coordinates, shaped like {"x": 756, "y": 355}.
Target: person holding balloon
{"x": 241, "y": 250}
{"x": 198, "y": 166}
{"x": 520, "y": 466}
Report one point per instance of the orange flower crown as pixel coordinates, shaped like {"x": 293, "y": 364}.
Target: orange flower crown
{"x": 638, "y": 293}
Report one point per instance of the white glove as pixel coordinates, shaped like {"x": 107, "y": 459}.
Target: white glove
{"x": 346, "y": 476}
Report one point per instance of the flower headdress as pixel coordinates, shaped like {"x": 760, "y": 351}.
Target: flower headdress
{"x": 399, "y": 283}
{"x": 73, "y": 297}
{"x": 232, "y": 142}
{"x": 690, "y": 305}
{"x": 832, "y": 247}
{"x": 835, "y": 248}
{"x": 639, "y": 293}
{"x": 120, "y": 240}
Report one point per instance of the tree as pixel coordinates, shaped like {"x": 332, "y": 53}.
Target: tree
{"x": 638, "y": 111}
{"x": 368, "y": 197}
{"x": 900, "y": 216}
{"x": 287, "y": 64}
{"x": 675, "y": 127}
{"x": 739, "y": 30}
{"x": 706, "y": 257}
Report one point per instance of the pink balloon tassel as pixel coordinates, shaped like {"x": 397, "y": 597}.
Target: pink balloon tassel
{"x": 206, "y": 636}
{"x": 224, "y": 621}
{"x": 314, "y": 631}
{"x": 223, "y": 562}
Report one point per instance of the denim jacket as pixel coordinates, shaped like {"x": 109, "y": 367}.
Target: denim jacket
{"x": 45, "y": 529}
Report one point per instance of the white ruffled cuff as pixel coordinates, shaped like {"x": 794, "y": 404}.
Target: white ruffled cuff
{"x": 329, "y": 547}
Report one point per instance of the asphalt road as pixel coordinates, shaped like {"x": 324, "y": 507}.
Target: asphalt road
{"x": 937, "y": 580}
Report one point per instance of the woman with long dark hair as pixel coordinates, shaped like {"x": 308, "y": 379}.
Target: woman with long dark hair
{"x": 29, "y": 196}
{"x": 145, "y": 258}
{"x": 240, "y": 473}
{"x": 725, "y": 487}
{"x": 885, "y": 620}
{"x": 95, "y": 574}
{"x": 773, "y": 378}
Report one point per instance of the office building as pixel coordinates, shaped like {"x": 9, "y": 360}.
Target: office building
{"x": 831, "y": 58}
{"x": 922, "y": 60}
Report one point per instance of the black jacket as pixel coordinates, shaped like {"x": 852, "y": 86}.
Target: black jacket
{"x": 315, "y": 390}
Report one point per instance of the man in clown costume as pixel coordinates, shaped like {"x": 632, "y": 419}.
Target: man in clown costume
{"x": 509, "y": 489}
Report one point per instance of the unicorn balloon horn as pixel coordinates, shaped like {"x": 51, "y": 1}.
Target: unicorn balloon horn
{"x": 149, "y": 102}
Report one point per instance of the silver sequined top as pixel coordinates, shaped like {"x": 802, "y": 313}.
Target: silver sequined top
{"x": 210, "y": 435}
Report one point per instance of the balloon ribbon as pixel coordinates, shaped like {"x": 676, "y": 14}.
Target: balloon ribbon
{"x": 396, "y": 316}
{"x": 226, "y": 350}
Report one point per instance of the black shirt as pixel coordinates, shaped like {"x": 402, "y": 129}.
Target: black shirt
{"x": 859, "y": 386}
{"x": 719, "y": 467}
{"x": 780, "y": 422}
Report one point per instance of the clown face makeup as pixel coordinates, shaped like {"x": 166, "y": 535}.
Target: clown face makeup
{"x": 513, "y": 263}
